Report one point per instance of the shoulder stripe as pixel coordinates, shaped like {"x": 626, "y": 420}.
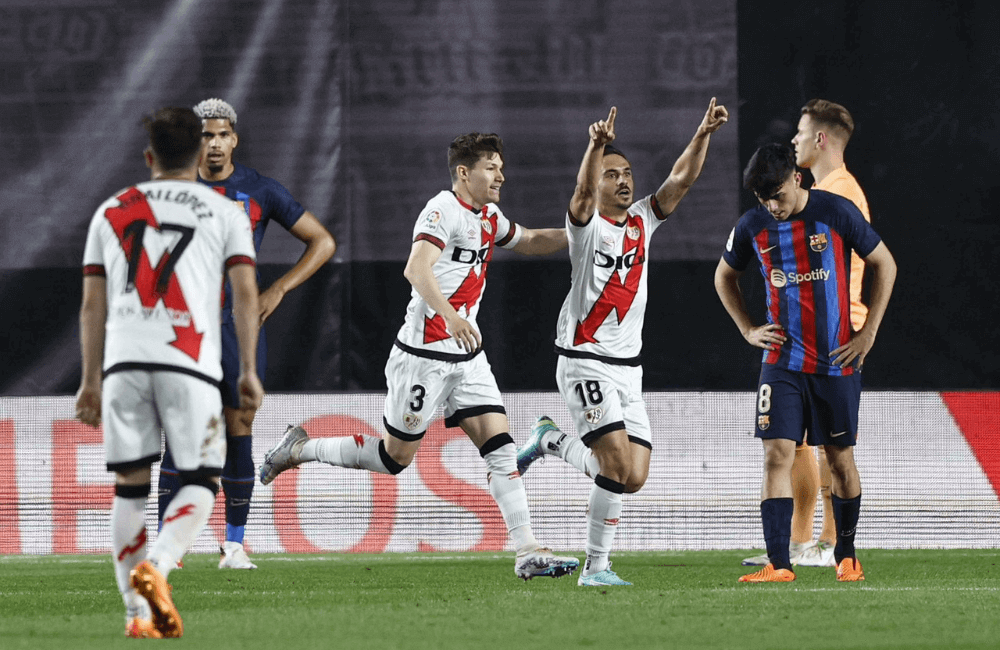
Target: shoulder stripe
{"x": 656, "y": 208}
{"x": 509, "y": 236}
{"x": 430, "y": 239}
{"x": 240, "y": 259}
{"x": 94, "y": 269}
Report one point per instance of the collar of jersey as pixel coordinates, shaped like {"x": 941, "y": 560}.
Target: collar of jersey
{"x": 467, "y": 206}
{"x": 613, "y": 222}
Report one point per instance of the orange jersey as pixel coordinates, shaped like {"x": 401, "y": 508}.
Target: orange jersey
{"x": 842, "y": 182}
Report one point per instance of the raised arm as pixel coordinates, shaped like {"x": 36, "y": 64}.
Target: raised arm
{"x": 93, "y": 314}
{"x": 728, "y": 287}
{"x": 581, "y": 206}
{"x": 320, "y": 247}
{"x": 883, "y": 267}
{"x": 419, "y": 272}
{"x": 688, "y": 167}
{"x": 245, "y": 316}
{"x": 541, "y": 241}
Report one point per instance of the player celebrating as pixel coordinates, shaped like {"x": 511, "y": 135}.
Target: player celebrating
{"x": 153, "y": 265}
{"x": 438, "y": 356}
{"x": 599, "y": 333}
{"x": 263, "y": 199}
{"x": 809, "y": 379}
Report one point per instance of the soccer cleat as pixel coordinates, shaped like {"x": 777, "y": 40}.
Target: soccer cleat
{"x": 849, "y": 570}
{"x": 533, "y": 449}
{"x": 281, "y": 456}
{"x": 542, "y": 562}
{"x": 769, "y": 574}
{"x": 151, "y": 585}
{"x": 606, "y": 578}
{"x": 795, "y": 549}
{"x": 233, "y": 556}
{"x": 818, "y": 554}
{"x": 140, "y": 628}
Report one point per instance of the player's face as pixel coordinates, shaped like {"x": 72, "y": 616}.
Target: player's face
{"x": 484, "y": 179}
{"x": 805, "y": 142}
{"x": 219, "y": 140}
{"x": 616, "y": 185}
{"x": 785, "y": 202}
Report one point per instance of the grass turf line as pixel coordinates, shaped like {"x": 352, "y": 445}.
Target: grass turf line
{"x": 911, "y": 599}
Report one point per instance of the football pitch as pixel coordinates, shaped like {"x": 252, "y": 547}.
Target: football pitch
{"x": 911, "y": 599}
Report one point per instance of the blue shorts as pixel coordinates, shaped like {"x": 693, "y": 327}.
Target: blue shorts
{"x": 822, "y": 408}
{"x": 231, "y": 362}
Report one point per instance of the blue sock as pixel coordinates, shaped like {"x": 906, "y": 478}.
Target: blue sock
{"x": 168, "y": 485}
{"x": 845, "y": 514}
{"x": 776, "y": 515}
{"x": 237, "y": 484}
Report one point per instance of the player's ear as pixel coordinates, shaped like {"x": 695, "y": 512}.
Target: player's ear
{"x": 147, "y": 155}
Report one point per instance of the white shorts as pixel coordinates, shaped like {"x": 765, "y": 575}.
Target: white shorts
{"x": 417, "y": 386}
{"x": 136, "y": 404}
{"x": 602, "y": 398}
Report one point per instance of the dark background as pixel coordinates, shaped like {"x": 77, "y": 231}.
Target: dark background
{"x": 354, "y": 114}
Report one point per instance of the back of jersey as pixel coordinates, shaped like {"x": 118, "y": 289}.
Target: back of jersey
{"x": 163, "y": 247}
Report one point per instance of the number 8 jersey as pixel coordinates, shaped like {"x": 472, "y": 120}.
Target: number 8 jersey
{"x": 163, "y": 247}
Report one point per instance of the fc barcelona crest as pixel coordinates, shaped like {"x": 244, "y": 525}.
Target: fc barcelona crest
{"x": 763, "y": 422}
{"x": 487, "y": 226}
{"x": 818, "y": 242}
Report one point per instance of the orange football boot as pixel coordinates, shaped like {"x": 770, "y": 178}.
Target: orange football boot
{"x": 140, "y": 628}
{"x": 769, "y": 574}
{"x": 849, "y": 570}
{"x": 152, "y": 586}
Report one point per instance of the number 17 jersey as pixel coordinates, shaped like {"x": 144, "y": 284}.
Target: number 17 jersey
{"x": 163, "y": 247}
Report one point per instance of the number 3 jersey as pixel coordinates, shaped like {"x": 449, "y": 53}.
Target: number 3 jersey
{"x": 163, "y": 247}
{"x": 466, "y": 237}
{"x": 603, "y": 313}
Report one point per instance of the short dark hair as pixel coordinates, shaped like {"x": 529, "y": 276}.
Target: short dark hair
{"x": 174, "y": 137}
{"x": 467, "y": 149}
{"x": 610, "y": 150}
{"x": 768, "y": 169}
{"x": 831, "y": 115}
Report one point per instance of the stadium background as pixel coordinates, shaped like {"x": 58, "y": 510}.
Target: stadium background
{"x": 351, "y": 105}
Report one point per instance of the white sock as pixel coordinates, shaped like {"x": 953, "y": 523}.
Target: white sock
{"x": 573, "y": 451}
{"x": 182, "y": 523}
{"x": 354, "y": 452}
{"x": 605, "y": 508}
{"x": 507, "y": 489}
{"x": 128, "y": 548}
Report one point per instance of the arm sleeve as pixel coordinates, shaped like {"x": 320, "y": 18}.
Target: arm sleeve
{"x": 283, "y": 207}
{"x": 858, "y": 232}
{"x": 508, "y": 232}
{"x": 432, "y": 226}
{"x": 739, "y": 247}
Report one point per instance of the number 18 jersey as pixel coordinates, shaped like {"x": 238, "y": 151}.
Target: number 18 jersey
{"x": 163, "y": 247}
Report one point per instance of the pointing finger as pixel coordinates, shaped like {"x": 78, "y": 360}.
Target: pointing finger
{"x": 611, "y": 117}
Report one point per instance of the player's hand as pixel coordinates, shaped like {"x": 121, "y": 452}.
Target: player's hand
{"x": 269, "y": 301}
{"x": 769, "y": 337}
{"x": 603, "y": 131}
{"x": 251, "y": 391}
{"x": 88, "y": 405}
{"x": 714, "y": 118}
{"x": 464, "y": 333}
{"x": 856, "y": 348}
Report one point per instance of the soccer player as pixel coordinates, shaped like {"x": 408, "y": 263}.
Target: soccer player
{"x": 438, "y": 356}
{"x": 153, "y": 264}
{"x": 264, "y": 200}
{"x": 810, "y": 379}
{"x": 599, "y": 332}
{"x": 823, "y": 132}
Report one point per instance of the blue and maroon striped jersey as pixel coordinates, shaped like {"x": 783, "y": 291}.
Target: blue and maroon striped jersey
{"x": 806, "y": 263}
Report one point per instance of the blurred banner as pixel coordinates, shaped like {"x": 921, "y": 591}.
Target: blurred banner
{"x": 929, "y": 466}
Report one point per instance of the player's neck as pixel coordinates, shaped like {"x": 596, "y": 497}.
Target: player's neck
{"x": 466, "y": 198}
{"x": 801, "y": 200}
{"x": 215, "y": 176}
{"x": 826, "y": 165}
{"x": 614, "y": 213}
{"x": 188, "y": 174}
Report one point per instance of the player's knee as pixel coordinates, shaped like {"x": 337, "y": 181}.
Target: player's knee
{"x": 500, "y": 454}
{"x": 634, "y": 484}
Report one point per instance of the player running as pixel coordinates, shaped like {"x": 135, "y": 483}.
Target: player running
{"x": 438, "y": 356}
{"x": 599, "y": 332}
{"x": 809, "y": 379}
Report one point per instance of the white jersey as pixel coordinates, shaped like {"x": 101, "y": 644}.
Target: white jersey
{"x": 466, "y": 237}
{"x": 163, "y": 247}
{"x": 603, "y": 313}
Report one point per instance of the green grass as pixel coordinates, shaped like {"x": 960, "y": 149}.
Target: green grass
{"x": 911, "y": 599}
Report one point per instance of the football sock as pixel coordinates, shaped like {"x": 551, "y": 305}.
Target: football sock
{"x": 183, "y": 522}
{"x": 237, "y": 485}
{"x": 776, "y": 517}
{"x": 354, "y": 452}
{"x": 168, "y": 485}
{"x": 846, "y": 513}
{"x": 604, "y": 510}
{"x": 573, "y": 451}
{"x": 805, "y": 486}
{"x": 507, "y": 489}
{"x": 128, "y": 538}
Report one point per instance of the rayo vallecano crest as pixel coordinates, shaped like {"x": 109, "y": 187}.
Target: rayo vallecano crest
{"x": 412, "y": 420}
{"x": 632, "y": 232}
{"x": 594, "y": 415}
{"x": 487, "y": 226}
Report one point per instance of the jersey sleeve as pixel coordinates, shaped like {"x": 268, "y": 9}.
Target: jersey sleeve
{"x": 282, "y": 206}
{"x": 649, "y": 208}
{"x": 739, "y": 248}
{"x": 93, "y": 250}
{"x": 432, "y": 226}
{"x": 238, "y": 246}
{"x": 857, "y": 232}
{"x": 508, "y": 232}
